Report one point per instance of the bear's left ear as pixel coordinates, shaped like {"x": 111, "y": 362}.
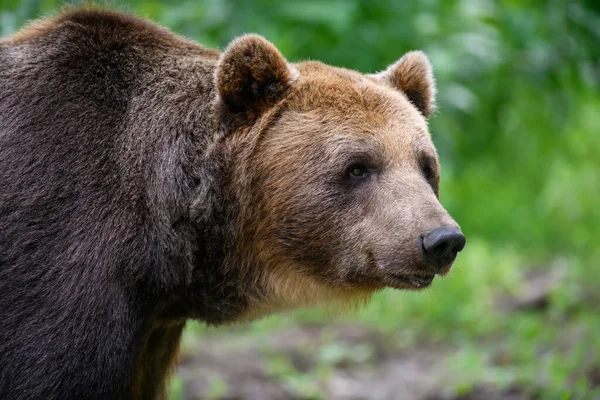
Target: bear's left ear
{"x": 413, "y": 75}
{"x": 252, "y": 76}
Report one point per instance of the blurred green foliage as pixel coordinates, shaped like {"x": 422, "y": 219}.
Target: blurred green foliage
{"x": 518, "y": 132}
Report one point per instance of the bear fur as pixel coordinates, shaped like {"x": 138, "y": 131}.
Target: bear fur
{"x": 146, "y": 180}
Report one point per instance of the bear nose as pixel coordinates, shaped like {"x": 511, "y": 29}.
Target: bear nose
{"x": 441, "y": 246}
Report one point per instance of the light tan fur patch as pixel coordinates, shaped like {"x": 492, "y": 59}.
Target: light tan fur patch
{"x": 289, "y": 290}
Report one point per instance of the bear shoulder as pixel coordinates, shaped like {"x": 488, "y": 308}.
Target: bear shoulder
{"x": 106, "y": 27}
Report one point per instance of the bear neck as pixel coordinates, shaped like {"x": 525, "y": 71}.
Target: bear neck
{"x": 219, "y": 285}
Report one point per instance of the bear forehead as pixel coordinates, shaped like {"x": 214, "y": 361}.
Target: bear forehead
{"x": 348, "y": 103}
{"x": 321, "y": 85}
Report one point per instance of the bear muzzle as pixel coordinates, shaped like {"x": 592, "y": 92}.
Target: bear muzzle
{"x": 437, "y": 251}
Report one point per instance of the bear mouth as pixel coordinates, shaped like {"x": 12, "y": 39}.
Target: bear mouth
{"x": 415, "y": 282}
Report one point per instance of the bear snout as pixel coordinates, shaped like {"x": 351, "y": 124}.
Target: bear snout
{"x": 440, "y": 247}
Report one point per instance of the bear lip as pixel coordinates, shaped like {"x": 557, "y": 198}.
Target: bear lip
{"x": 411, "y": 281}
{"x": 415, "y": 281}
{"x": 421, "y": 281}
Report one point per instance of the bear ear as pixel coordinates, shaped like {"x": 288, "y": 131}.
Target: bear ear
{"x": 252, "y": 75}
{"x": 413, "y": 75}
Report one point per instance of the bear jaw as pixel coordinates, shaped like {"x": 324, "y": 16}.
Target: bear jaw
{"x": 287, "y": 289}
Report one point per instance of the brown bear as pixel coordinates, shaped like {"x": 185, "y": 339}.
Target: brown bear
{"x": 146, "y": 180}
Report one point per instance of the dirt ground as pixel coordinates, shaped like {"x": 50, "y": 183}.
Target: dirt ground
{"x": 343, "y": 362}
{"x": 359, "y": 364}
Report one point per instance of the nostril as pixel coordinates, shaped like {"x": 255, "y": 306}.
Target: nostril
{"x": 441, "y": 249}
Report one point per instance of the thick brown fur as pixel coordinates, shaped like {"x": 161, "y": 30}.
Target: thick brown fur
{"x": 147, "y": 180}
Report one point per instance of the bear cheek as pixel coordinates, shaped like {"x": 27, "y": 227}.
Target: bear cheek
{"x": 305, "y": 233}
{"x": 318, "y": 232}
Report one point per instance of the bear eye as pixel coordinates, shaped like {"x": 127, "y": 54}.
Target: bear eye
{"x": 358, "y": 171}
{"x": 429, "y": 174}
{"x": 427, "y": 168}
{"x": 427, "y": 171}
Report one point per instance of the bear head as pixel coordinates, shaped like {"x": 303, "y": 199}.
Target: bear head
{"x": 335, "y": 176}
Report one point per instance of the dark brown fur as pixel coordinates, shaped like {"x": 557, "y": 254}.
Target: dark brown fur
{"x": 147, "y": 180}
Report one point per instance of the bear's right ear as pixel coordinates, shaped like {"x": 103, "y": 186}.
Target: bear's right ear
{"x": 252, "y": 76}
